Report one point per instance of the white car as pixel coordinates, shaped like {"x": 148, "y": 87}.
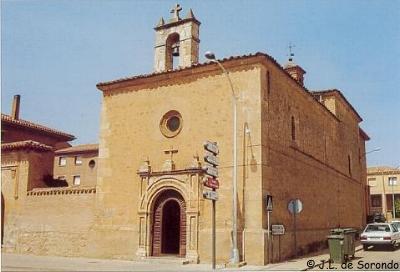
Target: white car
{"x": 380, "y": 234}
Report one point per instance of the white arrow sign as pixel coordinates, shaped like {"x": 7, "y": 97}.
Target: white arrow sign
{"x": 212, "y": 195}
{"x": 212, "y": 147}
{"x": 210, "y": 170}
{"x": 211, "y": 158}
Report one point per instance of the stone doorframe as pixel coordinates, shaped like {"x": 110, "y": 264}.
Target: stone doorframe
{"x": 188, "y": 184}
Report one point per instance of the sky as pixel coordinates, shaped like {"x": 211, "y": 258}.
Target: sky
{"x": 54, "y": 52}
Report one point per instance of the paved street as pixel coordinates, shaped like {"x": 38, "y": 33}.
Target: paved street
{"x": 364, "y": 260}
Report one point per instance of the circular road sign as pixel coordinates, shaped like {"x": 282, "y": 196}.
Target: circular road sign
{"x": 295, "y": 206}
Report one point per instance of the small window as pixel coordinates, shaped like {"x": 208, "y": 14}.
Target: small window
{"x": 392, "y": 181}
{"x": 349, "y": 164}
{"x": 376, "y": 201}
{"x": 77, "y": 180}
{"x": 78, "y": 160}
{"x": 372, "y": 182}
{"x": 61, "y": 178}
{"x": 62, "y": 161}
{"x": 293, "y": 125}
{"x": 92, "y": 163}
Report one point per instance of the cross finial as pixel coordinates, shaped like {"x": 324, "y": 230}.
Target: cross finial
{"x": 175, "y": 11}
{"x": 291, "y": 54}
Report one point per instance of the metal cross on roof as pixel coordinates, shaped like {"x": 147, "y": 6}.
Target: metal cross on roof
{"x": 175, "y": 11}
{"x": 291, "y": 54}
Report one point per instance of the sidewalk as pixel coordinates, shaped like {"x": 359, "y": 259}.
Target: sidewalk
{"x": 15, "y": 262}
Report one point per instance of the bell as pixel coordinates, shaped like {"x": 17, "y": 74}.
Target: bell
{"x": 175, "y": 50}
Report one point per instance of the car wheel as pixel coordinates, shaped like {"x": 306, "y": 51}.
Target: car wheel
{"x": 365, "y": 247}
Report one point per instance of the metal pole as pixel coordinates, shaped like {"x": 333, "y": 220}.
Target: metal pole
{"x": 268, "y": 236}
{"x": 393, "y": 206}
{"x": 213, "y": 234}
{"x": 295, "y": 226}
{"x": 235, "y": 251}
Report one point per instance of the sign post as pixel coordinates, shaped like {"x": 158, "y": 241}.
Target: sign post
{"x": 295, "y": 206}
{"x": 211, "y": 181}
{"x": 269, "y": 210}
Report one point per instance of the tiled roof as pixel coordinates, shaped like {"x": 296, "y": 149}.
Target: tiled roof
{"x": 333, "y": 91}
{"x": 7, "y": 119}
{"x": 79, "y": 149}
{"x": 30, "y": 145}
{"x": 258, "y": 54}
{"x": 382, "y": 169}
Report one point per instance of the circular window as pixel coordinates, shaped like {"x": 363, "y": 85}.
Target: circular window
{"x": 92, "y": 163}
{"x": 171, "y": 124}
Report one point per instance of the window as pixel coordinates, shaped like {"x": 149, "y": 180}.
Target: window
{"x": 62, "y": 161}
{"x": 78, "y": 160}
{"x": 376, "y": 200}
{"x": 171, "y": 124}
{"x": 61, "y": 178}
{"x": 266, "y": 94}
{"x": 77, "y": 180}
{"x": 349, "y": 164}
{"x": 92, "y": 163}
{"x": 372, "y": 182}
{"x": 392, "y": 181}
{"x": 293, "y": 124}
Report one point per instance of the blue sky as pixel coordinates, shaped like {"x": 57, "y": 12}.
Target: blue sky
{"x": 54, "y": 52}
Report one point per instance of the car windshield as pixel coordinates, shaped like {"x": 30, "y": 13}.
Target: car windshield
{"x": 380, "y": 227}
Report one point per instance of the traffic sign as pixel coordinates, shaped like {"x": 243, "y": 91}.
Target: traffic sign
{"x": 211, "y": 170}
{"x": 212, "y": 147}
{"x": 268, "y": 200}
{"x": 295, "y": 206}
{"x": 211, "y": 158}
{"x": 211, "y": 183}
{"x": 211, "y": 195}
{"x": 277, "y": 229}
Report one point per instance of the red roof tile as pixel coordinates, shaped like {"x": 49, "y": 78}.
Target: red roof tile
{"x": 79, "y": 149}
{"x": 7, "y": 119}
{"x": 29, "y": 145}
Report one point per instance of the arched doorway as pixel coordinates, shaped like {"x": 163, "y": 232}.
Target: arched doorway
{"x": 169, "y": 224}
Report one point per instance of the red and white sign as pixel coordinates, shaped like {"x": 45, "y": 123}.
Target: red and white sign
{"x": 211, "y": 183}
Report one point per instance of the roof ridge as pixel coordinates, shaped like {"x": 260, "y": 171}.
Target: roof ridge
{"x": 35, "y": 126}
{"x": 30, "y": 144}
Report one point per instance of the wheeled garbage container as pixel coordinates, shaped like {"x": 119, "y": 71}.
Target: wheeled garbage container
{"x": 347, "y": 241}
{"x": 336, "y": 248}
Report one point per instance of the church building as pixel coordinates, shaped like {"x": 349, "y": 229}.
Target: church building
{"x": 291, "y": 143}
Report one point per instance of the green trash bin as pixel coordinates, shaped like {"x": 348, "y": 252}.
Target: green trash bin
{"x": 349, "y": 242}
{"x": 336, "y": 248}
{"x": 349, "y": 237}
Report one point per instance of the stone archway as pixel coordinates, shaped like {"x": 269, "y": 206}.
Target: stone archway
{"x": 169, "y": 224}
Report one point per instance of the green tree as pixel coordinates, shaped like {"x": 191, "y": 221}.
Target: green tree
{"x": 397, "y": 207}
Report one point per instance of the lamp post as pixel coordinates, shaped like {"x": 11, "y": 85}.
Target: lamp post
{"x": 392, "y": 184}
{"x": 235, "y": 252}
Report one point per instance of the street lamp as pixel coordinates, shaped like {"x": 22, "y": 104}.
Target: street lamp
{"x": 392, "y": 184}
{"x": 235, "y": 252}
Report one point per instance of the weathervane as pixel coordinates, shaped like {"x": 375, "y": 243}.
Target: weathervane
{"x": 291, "y": 54}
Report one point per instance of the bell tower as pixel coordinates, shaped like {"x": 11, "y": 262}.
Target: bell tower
{"x": 177, "y": 41}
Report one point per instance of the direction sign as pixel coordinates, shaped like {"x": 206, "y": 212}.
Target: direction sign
{"x": 211, "y": 170}
{"x": 277, "y": 229}
{"x": 212, "y": 147}
{"x": 268, "y": 200}
{"x": 211, "y": 195}
{"x": 211, "y": 183}
{"x": 211, "y": 158}
{"x": 295, "y": 206}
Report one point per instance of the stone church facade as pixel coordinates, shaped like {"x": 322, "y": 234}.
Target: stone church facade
{"x": 293, "y": 143}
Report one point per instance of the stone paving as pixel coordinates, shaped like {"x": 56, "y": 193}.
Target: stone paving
{"x": 15, "y": 262}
